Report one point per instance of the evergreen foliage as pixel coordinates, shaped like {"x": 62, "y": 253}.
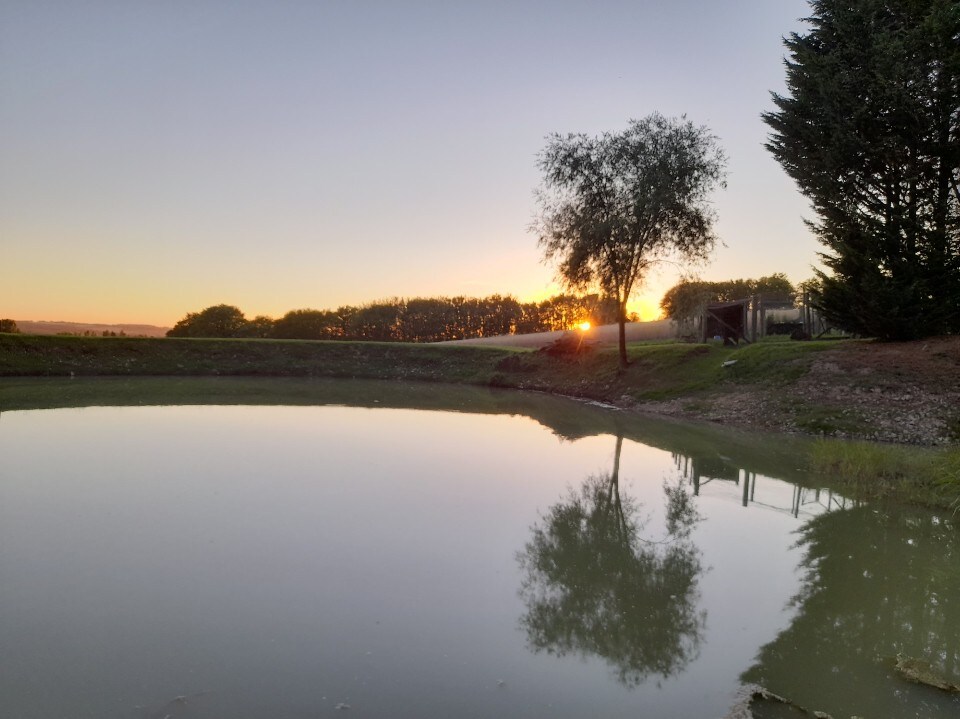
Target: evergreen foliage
{"x": 870, "y": 131}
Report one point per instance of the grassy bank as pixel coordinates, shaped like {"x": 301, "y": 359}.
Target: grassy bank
{"x": 878, "y": 472}
{"x": 53, "y": 356}
{"x": 660, "y": 371}
{"x": 657, "y": 370}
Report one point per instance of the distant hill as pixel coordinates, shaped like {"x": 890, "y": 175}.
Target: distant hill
{"x": 78, "y": 328}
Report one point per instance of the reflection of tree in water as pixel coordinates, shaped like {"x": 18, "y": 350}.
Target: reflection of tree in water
{"x": 877, "y": 584}
{"x": 593, "y": 586}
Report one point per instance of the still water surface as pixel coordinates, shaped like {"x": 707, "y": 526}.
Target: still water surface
{"x": 279, "y": 561}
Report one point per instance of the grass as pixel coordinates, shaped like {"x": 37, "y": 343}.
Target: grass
{"x": 677, "y": 370}
{"x": 876, "y": 472}
{"x": 953, "y": 427}
{"x": 671, "y": 371}
{"x": 663, "y": 370}
{"x": 778, "y": 360}
{"x": 828, "y": 420}
{"x": 656, "y": 371}
{"x": 25, "y": 355}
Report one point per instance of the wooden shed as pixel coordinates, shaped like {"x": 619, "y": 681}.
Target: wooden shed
{"x": 725, "y": 320}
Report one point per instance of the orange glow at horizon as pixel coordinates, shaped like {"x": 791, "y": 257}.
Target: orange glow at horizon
{"x": 83, "y": 297}
{"x": 647, "y": 307}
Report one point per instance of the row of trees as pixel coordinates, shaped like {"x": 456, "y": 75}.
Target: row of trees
{"x": 406, "y": 320}
{"x": 685, "y": 299}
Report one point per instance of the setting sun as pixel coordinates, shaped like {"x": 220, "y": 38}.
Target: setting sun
{"x": 584, "y": 326}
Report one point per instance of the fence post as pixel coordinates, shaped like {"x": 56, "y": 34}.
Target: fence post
{"x": 763, "y": 316}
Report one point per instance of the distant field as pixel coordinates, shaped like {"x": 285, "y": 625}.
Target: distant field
{"x": 603, "y": 335}
{"x": 76, "y": 328}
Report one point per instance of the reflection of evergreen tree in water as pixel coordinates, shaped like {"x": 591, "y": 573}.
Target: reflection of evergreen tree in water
{"x": 877, "y": 584}
{"x": 593, "y": 586}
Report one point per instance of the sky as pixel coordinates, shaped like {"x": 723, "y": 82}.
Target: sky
{"x": 157, "y": 158}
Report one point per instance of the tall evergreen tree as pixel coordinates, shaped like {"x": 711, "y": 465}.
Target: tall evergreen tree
{"x": 870, "y": 131}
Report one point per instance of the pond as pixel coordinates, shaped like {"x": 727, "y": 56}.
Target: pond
{"x": 392, "y": 550}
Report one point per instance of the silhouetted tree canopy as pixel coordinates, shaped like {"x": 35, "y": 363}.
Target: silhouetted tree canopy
{"x": 421, "y": 319}
{"x": 216, "y": 321}
{"x": 260, "y": 327}
{"x": 870, "y": 132}
{"x": 9, "y": 326}
{"x": 307, "y": 325}
{"x": 612, "y": 205}
{"x": 685, "y": 299}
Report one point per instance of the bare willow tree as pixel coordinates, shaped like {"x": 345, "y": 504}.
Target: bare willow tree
{"x": 610, "y": 206}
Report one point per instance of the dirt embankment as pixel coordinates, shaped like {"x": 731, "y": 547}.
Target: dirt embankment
{"x": 895, "y": 392}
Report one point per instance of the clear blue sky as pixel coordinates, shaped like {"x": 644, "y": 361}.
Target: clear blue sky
{"x": 160, "y": 157}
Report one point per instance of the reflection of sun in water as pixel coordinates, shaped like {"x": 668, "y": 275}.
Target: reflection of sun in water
{"x": 584, "y": 326}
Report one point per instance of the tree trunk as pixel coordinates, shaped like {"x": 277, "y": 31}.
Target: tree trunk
{"x": 622, "y": 322}
{"x": 615, "y": 475}
{"x": 615, "y": 489}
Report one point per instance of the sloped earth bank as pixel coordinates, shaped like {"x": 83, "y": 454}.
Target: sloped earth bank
{"x": 894, "y": 392}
